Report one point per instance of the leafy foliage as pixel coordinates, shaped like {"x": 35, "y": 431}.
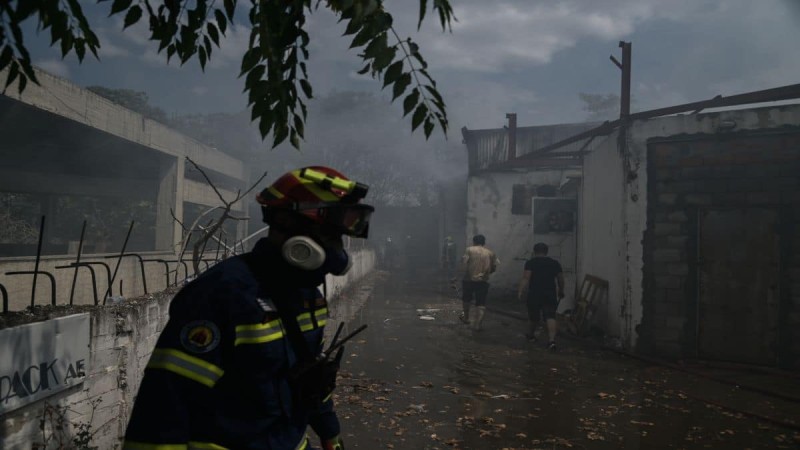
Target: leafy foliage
{"x": 274, "y": 67}
{"x": 134, "y": 100}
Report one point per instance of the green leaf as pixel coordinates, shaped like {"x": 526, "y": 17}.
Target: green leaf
{"x": 265, "y": 121}
{"x": 401, "y": 85}
{"x": 428, "y": 127}
{"x": 133, "y": 16}
{"x": 418, "y": 56}
{"x": 410, "y": 102}
{"x": 393, "y": 73}
{"x": 436, "y": 96}
{"x": 230, "y": 8}
{"x": 383, "y": 59}
{"x": 295, "y": 140}
{"x": 66, "y": 43}
{"x": 5, "y": 56}
{"x": 363, "y": 36}
{"x": 80, "y": 49}
{"x": 222, "y": 23}
{"x": 423, "y": 5}
{"x": 255, "y": 75}
{"x": 299, "y": 126}
{"x": 23, "y": 83}
{"x": 12, "y": 75}
{"x": 250, "y": 59}
{"x": 201, "y": 54}
{"x": 376, "y": 46}
{"x": 364, "y": 70}
{"x": 119, "y": 6}
{"x": 419, "y": 116}
{"x": 352, "y": 27}
{"x": 306, "y": 86}
{"x": 213, "y": 33}
{"x": 281, "y": 132}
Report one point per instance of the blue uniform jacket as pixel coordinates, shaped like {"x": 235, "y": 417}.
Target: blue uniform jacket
{"x": 217, "y": 377}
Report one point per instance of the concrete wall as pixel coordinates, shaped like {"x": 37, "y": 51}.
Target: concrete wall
{"x": 122, "y": 339}
{"x": 58, "y": 100}
{"x": 510, "y": 236}
{"x": 601, "y": 227}
{"x": 66, "y": 99}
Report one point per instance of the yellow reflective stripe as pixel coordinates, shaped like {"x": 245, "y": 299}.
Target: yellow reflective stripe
{"x": 185, "y": 365}
{"x": 206, "y": 445}
{"x": 275, "y": 192}
{"x": 320, "y": 315}
{"x": 258, "y": 333}
{"x": 259, "y": 339}
{"x": 303, "y": 444}
{"x": 130, "y": 445}
{"x": 324, "y": 400}
{"x": 322, "y": 194}
{"x": 258, "y": 326}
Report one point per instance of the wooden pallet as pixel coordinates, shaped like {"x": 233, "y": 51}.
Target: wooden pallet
{"x": 592, "y": 292}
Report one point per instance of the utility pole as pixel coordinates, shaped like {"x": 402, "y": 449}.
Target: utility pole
{"x": 512, "y": 135}
{"x": 625, "y": 67}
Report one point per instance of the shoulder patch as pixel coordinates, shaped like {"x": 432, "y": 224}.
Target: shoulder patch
{"x": 200, "y": 336}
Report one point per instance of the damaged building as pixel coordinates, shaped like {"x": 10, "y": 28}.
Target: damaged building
{"x": 693, "y": 220}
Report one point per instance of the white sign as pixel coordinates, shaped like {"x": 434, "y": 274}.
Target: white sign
{"x": 40, "y": 359}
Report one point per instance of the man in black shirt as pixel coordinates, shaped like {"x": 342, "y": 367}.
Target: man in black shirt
{"x": 543, "y": 280}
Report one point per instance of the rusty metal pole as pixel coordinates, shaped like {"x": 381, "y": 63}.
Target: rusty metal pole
{"x": 625, "y": 97}
{"x": 512, "y": 135}
{"x": 38, "y": 259}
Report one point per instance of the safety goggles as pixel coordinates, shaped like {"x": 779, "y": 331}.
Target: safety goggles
{"x": 352, "y": 220}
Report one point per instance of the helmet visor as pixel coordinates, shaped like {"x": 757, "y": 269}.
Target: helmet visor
{"x": 352, "y": 220}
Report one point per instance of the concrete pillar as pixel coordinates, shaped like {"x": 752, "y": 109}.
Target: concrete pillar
{"x": 170, "y": 196}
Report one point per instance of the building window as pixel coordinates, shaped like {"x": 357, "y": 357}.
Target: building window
{"x": 521, "y": 196}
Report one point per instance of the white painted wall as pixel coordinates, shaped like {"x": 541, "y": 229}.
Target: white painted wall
{"x": 510, "y": 236}
{"x": 601, "y": 245}
{"x": 614, "y": 211}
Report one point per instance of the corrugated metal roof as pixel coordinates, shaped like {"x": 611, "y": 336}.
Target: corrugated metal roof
{"x": 488, "y": 147}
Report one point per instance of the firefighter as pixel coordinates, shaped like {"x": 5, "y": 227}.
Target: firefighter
{"x": 226, "y": 370}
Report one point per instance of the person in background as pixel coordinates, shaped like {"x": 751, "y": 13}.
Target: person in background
{"x": 238, "y": 364}
{"x": 477, "y": 264}
{"x": 543, "y": 281}
{"x": 449, "y": 254}
{"x": 389, "y": 254}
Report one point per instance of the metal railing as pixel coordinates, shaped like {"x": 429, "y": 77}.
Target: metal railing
{"x": 90, "y": 265}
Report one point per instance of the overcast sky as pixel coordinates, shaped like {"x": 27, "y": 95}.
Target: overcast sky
{"x": 531, "y": 57}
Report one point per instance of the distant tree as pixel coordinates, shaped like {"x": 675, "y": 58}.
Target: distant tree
{"x": 274, "y": 65}
{"x": 600, "y": 106}
{"x": 230, "y": 133}
{"x": 134, "y": 100}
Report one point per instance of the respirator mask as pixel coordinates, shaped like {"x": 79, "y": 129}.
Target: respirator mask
{"x": 305, "y": 253}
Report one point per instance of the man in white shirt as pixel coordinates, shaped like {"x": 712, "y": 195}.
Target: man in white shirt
{"x": 477, "y": 264}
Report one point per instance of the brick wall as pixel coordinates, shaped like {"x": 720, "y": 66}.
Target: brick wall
{"x": 739, "y": 170}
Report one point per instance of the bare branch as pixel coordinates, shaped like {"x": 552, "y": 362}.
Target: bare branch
{"x": 261, "y": 178}
{"x": 172, "y": 213}
{"x": 208, "y": 180}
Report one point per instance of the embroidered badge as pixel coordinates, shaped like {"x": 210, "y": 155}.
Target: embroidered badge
{"x": 200, "y": 336}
